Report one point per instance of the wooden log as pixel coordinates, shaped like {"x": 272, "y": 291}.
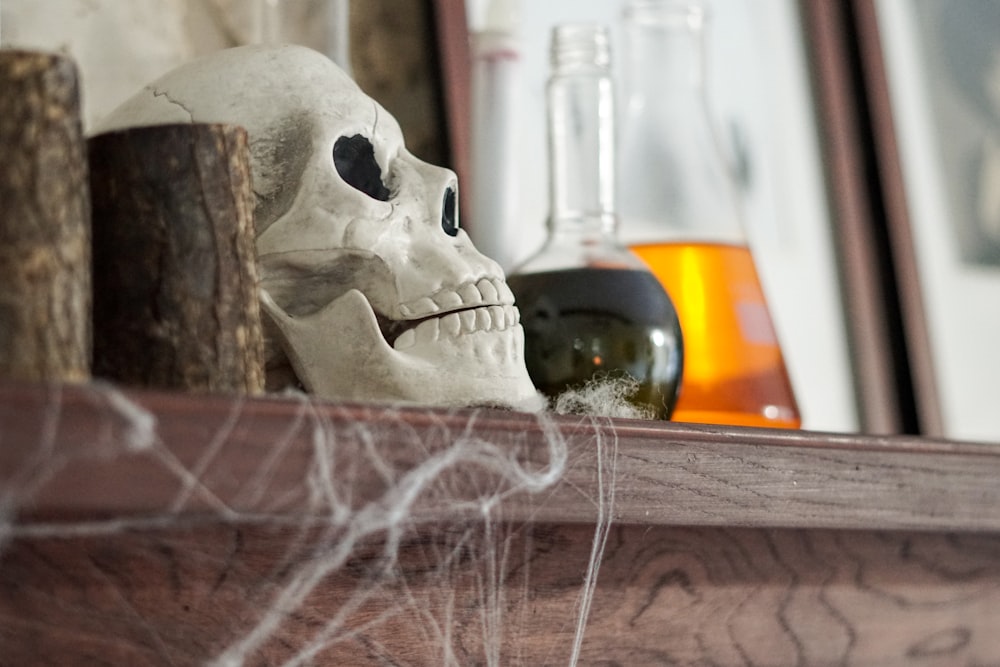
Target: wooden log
{"x": 44, "y": 221}
{"x": 175, "y": 277}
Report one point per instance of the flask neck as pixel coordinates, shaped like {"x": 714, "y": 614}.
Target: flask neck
{"x": 581, "y": 126}
{"x": 675, "y": 181}
{"x": 665, "y": 50}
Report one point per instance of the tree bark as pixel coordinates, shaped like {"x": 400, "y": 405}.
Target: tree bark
{"x": 175, "y": 276}
{"x": 45, "y": 330}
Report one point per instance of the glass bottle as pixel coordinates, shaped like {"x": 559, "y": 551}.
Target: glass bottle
{"x": 680, "y": 214}
{"x": 589, "y": 307}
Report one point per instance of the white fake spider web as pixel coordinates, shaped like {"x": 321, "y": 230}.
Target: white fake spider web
{"x": 361, "y": 535}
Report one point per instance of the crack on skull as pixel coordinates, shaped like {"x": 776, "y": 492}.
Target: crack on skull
{"x": 165, "y": 95}
{"x": 375, "y": 122}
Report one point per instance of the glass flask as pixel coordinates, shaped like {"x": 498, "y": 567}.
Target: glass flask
{"x": 680, "y": 214}
{"x": 589, "y": 307}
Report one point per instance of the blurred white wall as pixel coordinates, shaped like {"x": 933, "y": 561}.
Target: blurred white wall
{"x": 121, "y": 46}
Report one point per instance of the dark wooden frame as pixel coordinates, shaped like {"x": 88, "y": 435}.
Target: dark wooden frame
{"x": 885, "y": 315}
{"x": 895, "y": 191}
{"x": 897, "y": 221}
{"x": 454, "y": 52}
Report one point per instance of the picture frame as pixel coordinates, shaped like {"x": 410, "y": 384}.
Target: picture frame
{"x": 932, "y": 73}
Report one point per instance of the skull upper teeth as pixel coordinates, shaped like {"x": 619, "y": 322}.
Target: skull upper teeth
{"x": 423, "y": 306}
{"x": 448, "y": 300}
{"x": 487, "y": 291}
{"x": 452, "y": 325}
{"x": 471, "y": 296}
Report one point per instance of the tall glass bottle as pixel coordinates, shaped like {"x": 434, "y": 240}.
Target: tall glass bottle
{"x": 588, "y": 306}
{"x": 681, "y": 216}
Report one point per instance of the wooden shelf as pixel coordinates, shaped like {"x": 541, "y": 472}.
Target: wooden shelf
{"x": 156, "y": 528}
{"x": 666, "y": 473}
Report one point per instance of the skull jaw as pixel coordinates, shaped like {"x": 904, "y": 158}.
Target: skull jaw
{"x": 338, "y": 352}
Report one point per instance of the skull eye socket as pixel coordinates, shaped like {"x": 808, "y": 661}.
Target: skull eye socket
{"x": 354, "y": 159}
{"x": 449, "y": 222}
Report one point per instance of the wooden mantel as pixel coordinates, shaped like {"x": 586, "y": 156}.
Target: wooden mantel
{"x": 144, "y": 528}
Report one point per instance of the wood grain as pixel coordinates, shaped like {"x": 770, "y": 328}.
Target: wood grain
{"x": 665, "y": 595}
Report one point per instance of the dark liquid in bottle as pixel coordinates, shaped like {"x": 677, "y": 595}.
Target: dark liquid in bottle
{"x": 579, "y": 323}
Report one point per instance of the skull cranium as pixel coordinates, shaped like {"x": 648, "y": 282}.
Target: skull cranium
{"x": 373, "y": 291}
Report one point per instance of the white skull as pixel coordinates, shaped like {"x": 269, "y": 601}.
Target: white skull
{"x": 373, "y": 290}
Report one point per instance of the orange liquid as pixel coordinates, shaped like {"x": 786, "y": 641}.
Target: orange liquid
{"x": 733, "y": 369}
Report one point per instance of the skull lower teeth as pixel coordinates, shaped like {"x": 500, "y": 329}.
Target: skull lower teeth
{"x": 452, "y": 325}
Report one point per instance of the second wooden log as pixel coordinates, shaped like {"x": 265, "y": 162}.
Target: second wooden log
{"x": 175, "y": 277}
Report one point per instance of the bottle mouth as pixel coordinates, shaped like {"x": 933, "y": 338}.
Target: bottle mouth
{"x": 691, "y": 14}
{"x": 580, "y": 44}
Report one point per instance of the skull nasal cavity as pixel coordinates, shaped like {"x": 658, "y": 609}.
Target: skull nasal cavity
{"x": 449, "y": 219}
{"x": 354, "y": 158}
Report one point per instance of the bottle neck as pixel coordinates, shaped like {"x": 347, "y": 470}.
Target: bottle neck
{"x": 581, "y": 129}
{"x": 581, "y": 126}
